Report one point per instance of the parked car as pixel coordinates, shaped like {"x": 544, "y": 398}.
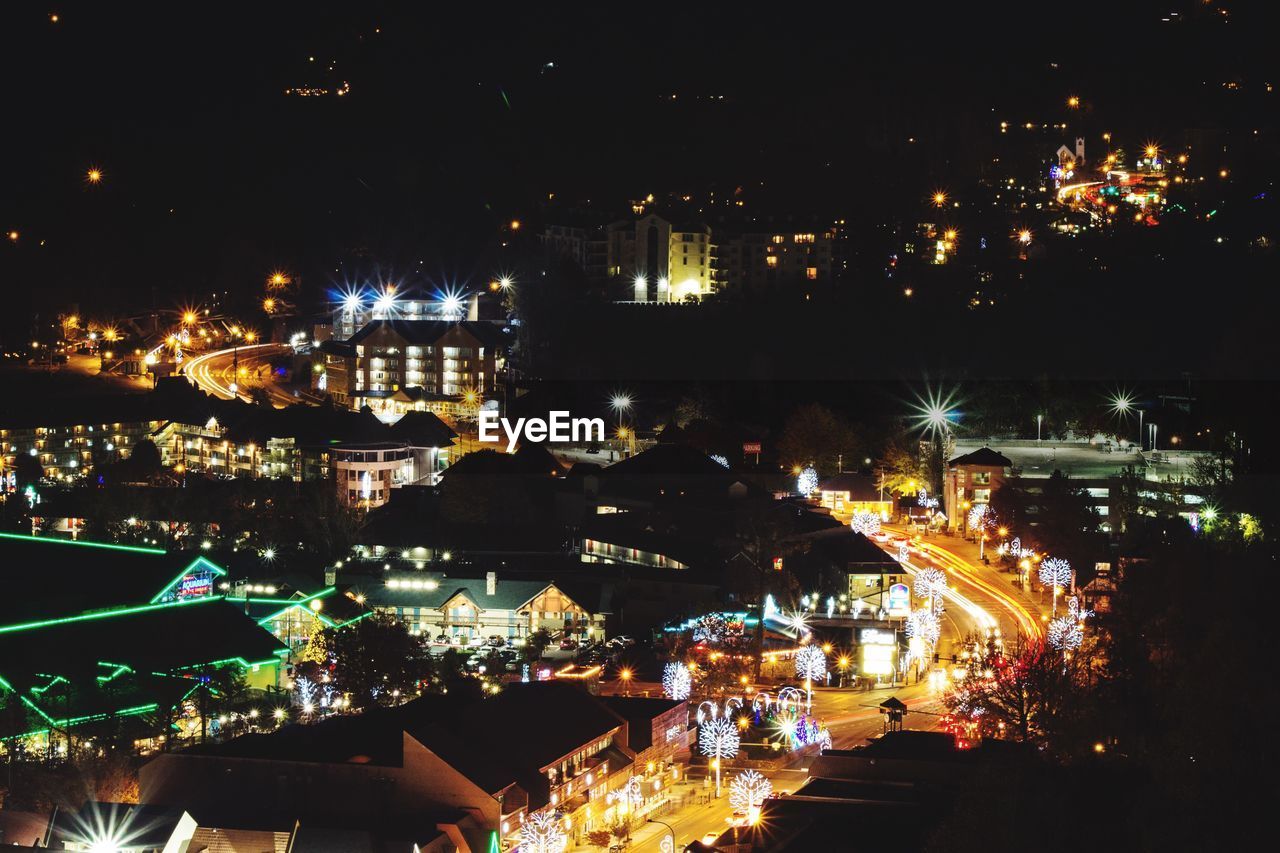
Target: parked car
{"x": 496, "y": 641}
{"x": 442, "y": 639}
{"x": 568, "y": 644}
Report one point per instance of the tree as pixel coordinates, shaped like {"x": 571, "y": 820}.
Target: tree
{"x": 1019, "y": 691}
{"x": 1058, "y": 518}
{"x": 814, "y": 434}
{"x": 145, "y": 459}
{"x": 535, "y": 644}
{"x": 599, "y": 838}
{"x": 375, "y": 660}
{"x": 900, "y": 467}
{"x": 27, "y": 470}
{"x": 621, "y": 830}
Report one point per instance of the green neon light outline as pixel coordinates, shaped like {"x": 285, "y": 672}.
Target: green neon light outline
{"x": 135, "y": 711}
{"x": 136, "y": 549}
{"x": 103, "y": 614}
{"x": 244, "y": 664}
{"x": 292, "y": 604}
{"x": 217, "y": 570}
{"x": 53, "y": 679}
{"x": 120, "y": 669}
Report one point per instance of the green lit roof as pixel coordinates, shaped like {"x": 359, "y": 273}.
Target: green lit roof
{"x": 47, "y": 577}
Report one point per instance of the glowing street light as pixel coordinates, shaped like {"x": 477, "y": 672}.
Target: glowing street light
{"x": 451, "y": 304}
{"x": 386, "y": 301}
{"x": 934, "y": 413}
{"x": 505, "y": 282}
{"x": 278, "y": 279}
{"x": 93, "y": 176}
{"x": 1024, "y": 236}
{"x": 268, "y": 305}
{"x": 1073, "y": 102}
{"x": 188, "y": 318}
{"x": 939, "y": 198}
{"x": 620, "y": 402}
{"x": 625, "y": 674}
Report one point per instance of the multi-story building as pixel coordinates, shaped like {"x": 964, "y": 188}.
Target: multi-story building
{"x": 462, "y": 764}
{"x": 653, "y": 259}
{"x": 969, "y": 480}
{"x": 452, "y": 366}
{"x": 357, "y": 310}
{"x": 757, "y": 260}
{"x": 649, "y": 259}
{"x": 463, "y": 610}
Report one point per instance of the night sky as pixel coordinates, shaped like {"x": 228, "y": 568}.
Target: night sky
{"x": 457, "y": 122}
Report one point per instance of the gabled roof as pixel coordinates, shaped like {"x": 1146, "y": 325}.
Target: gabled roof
{"x": 429, "y": 332}
{"x": 674, "y": 460}
{"x": 860, "y": 487}
{"x": 851, "y": 550}
{"x": 507, "y": 594}
{"x": 423, "y": 429}
{"x": 481, "y": 738}
{"x": 148, "y": 638}
{"x": 983, "y": 456}
{"x": 47, "y": 577}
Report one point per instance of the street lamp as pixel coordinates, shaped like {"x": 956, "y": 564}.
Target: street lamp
{"x": 625, "y": 674}
{"x": 1039, "y": 420}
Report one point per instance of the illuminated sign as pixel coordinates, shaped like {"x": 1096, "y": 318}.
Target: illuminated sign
{"x": 876, "y": 637}
{"x": 878, "y": 659}
{"x": 777, "y": 564}
{"x": 195, "y": 585}
{"x": 899, "y": 600}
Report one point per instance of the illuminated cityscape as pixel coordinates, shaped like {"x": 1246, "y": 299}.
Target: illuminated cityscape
{"x": 558, "y": 430}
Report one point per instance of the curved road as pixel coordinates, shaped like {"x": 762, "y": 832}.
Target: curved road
{"x": 983, "y": 586}
{"x": 212, "y": 372}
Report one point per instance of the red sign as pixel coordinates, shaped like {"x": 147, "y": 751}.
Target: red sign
{"x": 777, "y": 564}
{"x": 751, "y": 447}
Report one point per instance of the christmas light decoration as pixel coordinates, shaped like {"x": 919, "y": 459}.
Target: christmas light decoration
{"x": 807, "y": 482}
{"x": 676, "y": 682}
{"x": 923, "y": 625}
{"x": 748, "y": 790}
{"x": 1064, "y": 633}
{"x": 719, "y": 460}
{"x": 718, "y": 739}
{"x": 789, "y": 697}
{"x": 865, "y": 522}
{"x": 904, "y": 552}
{"x": 543, "y": 833}
{"x": 977, "y": 514}
{"x": 1067, "y": 632}
{"x": 1055, "y": 572}
{"x": 811, "y": 663}
{"x": 930, "y": 582}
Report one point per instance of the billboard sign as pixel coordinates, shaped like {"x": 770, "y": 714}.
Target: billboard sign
{"x": 899, "y": 600}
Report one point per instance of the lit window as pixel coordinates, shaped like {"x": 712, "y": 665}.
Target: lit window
{"x": 811, "y": 273}
{"x": 771, "y": 261}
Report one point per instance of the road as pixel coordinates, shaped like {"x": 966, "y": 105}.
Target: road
{"x": 851, "y": 715}
{"x": 213, "y": 372}
{"x": 988, "y": 589}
